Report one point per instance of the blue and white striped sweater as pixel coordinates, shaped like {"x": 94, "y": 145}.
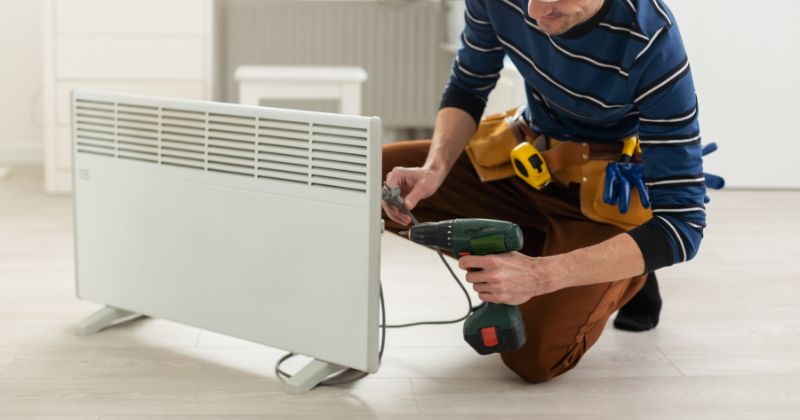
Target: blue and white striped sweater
{"x": 623, "y": 72}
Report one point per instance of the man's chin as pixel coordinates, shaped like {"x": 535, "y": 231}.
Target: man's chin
{"x": 552, "y": 29}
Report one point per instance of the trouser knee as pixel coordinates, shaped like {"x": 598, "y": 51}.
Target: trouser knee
{"x": 538, "y": 367}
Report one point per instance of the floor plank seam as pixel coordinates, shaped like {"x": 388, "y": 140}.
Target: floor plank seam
{"x": 414, "y": 394}
{"x": 671, "y": 362}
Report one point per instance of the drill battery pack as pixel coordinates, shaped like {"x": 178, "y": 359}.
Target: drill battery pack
{"x": 495, "y": 328}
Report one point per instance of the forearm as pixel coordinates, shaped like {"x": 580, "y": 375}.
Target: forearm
{"x": 453, "y": 129}
{"x": 614, "y": 259}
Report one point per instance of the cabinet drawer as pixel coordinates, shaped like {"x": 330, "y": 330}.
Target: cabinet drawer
{"x": 175, "y": 17}
{"x": 130, "y": 58}
{"x": 185, "y": 90}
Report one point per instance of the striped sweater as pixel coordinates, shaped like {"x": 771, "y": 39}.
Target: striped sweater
{"x": 623, "y": 72}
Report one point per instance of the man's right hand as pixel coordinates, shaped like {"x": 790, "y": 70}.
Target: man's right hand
{"x": 454, "y": 127}
{"x": 415, "y": 184}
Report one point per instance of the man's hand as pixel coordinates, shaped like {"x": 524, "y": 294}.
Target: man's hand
{"x": 514, "y": 278}
{"x": 511, "y": 278}
{"x": 415, "y": 184}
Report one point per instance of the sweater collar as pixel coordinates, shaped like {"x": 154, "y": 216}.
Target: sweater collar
{"x": 588, "y": 26}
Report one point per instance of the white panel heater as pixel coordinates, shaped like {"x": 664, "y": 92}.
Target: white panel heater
{"x": 259, "y": 223}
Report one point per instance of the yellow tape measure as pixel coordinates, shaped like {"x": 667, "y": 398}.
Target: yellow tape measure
{"x": 529, "y": 165}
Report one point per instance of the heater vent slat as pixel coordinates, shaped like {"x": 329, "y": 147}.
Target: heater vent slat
{"x": 96, "y": 151}
{"x": 137, "y": 141}
{"x": 138, "y": 123}
{"x": 256, "y": 145}
{"x": 348, "y": 141}
{"x": 182, "y": 146}
{"x": 97, "y": 120}
{"x": 182, "y": 139}
{"x": 339, "y": 149}
{"x": 340, "y": 157}
{"x": 342, "y": 166}
{"x": 335, "y": 183}
{"x": 96, "y": 144}
{"x": 336, "y": 174}
{"x": 199, "y": 132}
{"x": 272, "y": 124}
{"x": 287, "y": 159}
{"x": 282, "y": 175}
{"x": 132, "y": 147}
{"x": 283, "y": 134}
{"x": 282, "y": 167}
{"x": 282, "y": 149}
{"x": 216, "y": 153}
{"x": 330, "y": 130}
{"x": 182, "y": 154}
{"x": 227, "y": 135}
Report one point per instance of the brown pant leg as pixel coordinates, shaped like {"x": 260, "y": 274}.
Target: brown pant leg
{"x": 563, "y": 325}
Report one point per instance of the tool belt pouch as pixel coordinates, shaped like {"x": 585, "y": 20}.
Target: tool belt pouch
{"x": 593, "y": 206}
{"x": 489, "y": 148}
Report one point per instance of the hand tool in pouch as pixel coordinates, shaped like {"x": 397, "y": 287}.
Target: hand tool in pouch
{"x": 623, "y": 176}
{"x": 529, "y": 165}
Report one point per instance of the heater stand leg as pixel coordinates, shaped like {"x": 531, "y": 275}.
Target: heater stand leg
{"x": 310, "y": 376}
{"x": 102, "y": 319}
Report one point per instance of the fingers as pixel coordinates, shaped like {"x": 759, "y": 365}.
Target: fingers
{"x": 396, "y": 178}
{"x": 493, "y": 297}
{"x": 417, "y": 193}
{"x": 479, "y": 262}
{"x": 488, "y": 297}
{"x": 395, "y": 214}
{"x": 415, "y": 184}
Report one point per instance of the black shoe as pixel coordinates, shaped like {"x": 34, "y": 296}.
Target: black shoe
{"x": 641, "y": 312}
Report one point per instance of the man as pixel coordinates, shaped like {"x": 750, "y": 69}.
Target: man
{"x": 596, "y": 72}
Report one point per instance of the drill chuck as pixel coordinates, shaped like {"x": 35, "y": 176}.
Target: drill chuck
{"x": 437, "y": 234}
{"x": 470, "y": 236}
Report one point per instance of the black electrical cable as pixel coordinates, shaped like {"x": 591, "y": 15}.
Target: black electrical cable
{"x": 347, "y": 375}
{"x": 470, "y": 308}
{"x": 351, "y": 375}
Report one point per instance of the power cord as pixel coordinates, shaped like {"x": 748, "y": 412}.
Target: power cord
{"x": 391, "y": 196}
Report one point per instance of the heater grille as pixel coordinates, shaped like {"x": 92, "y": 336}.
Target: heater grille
{"x": 262, "y": 147}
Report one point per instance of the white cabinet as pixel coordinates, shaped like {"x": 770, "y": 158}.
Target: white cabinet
{"x": 150, "y": 47}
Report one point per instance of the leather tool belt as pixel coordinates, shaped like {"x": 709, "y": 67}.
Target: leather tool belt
{"x": 490, "y": 147}
{"x": 489, "y": 150}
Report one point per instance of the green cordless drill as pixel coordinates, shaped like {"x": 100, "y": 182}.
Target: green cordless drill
{"x": 493, "y": 328}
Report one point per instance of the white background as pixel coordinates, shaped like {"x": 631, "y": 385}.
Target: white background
{"x": 20, "y": 80}
{"x": 745, "y": 57}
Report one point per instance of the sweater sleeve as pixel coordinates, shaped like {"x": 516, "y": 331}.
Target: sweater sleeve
{"x": 671, "y": 153}
{"x": 476, "y": 67}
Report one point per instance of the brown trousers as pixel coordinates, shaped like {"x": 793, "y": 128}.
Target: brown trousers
{"x": 563, "y": 325}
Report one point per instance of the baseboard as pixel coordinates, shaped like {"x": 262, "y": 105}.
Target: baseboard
{"x": 21, "y": 152}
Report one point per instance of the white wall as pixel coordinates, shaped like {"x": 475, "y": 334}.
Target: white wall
{"x": 20, "y": 80}
{"x": 745, "y": 57}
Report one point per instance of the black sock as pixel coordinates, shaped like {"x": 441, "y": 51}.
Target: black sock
{"x": 641, "y": 312}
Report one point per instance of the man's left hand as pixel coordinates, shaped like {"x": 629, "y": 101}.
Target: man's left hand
{"x": 511, "y": 278}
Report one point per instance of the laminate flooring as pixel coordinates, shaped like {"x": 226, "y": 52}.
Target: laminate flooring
{"x": 726, "y": 348}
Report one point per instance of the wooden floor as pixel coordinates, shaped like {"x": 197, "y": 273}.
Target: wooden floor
{"x": 728, "y": 346}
